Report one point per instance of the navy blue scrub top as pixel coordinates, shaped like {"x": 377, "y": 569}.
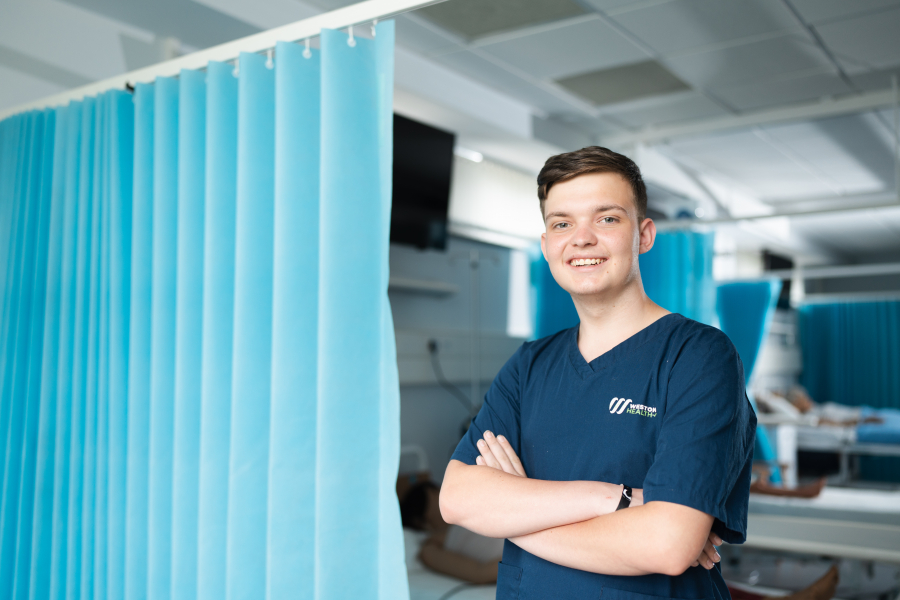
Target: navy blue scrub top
{"x": 665, "y": 411}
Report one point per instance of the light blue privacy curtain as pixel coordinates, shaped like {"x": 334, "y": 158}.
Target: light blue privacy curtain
{"x": 851, "y": 355}
{"x": 676, "y": 272}
{"x": 198, "y": 385}
{"x": 745, "y": 313}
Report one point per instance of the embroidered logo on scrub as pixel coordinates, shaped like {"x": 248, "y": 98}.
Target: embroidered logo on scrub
{"x": 617, "y": 406}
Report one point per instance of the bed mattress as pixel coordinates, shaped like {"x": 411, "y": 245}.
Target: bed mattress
{"x": 841, "y": 504}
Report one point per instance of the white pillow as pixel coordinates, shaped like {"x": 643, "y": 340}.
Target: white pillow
{"x": 412, "y": 541}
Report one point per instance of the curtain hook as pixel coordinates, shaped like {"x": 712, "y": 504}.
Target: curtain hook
{"x": 350, "y": 41}
{"x": 269, "y": 62}
{"x": 237, "y": 67}
{"x": 307, "y": 53}
{"x": 374, "y": 25}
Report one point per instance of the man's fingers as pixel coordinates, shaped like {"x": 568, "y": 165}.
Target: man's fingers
{"x": 499, "y": 453}
{"x": 710, "y": 555}
{"x": 512, "y": 456}
{"x": 489, "y": 459}
{"x": 716, "y": 540}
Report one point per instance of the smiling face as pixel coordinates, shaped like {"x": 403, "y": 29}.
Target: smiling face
{"x": 594, "y": 236}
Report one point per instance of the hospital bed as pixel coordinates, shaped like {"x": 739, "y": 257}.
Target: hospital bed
{"x": 840, "y": 522}
{"x": 425, "y": 584}
{"x": 794, "y": 432}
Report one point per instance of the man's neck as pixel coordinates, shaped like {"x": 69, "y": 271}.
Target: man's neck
{"x": 608, "y": 321}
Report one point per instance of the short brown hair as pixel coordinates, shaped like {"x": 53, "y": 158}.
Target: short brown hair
{"x": 593, "y": 159}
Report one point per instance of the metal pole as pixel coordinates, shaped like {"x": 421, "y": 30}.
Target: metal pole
{"x": 355, "y": 14}
{"x": 896, "y": 91}
{"x": 475, "y": 324}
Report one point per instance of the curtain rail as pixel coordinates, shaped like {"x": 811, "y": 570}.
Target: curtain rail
{"x": 355, "y": 14}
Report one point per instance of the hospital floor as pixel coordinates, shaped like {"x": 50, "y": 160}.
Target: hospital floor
{"x": 773, "y": 573}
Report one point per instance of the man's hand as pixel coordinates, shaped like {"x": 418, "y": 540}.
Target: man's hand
{"x": 497, "y": 452}
{"x": 709, "y": 556}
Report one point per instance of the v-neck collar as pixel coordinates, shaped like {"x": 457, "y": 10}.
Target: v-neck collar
{"x": 611, "y": 356}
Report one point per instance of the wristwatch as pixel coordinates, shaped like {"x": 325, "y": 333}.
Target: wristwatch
{"x": 625, "y": 500}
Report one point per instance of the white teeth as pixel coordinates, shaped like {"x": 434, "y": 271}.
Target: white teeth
{"x": 580, "y": 262}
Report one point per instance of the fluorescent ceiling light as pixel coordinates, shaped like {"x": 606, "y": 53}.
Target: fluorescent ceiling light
{"x": 468, "y": 154}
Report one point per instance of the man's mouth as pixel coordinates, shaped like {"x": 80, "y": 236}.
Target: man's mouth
{"x": 584, "y": 262}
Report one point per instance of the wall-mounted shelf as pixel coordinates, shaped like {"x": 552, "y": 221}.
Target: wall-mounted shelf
{"x": 421, "y": 286}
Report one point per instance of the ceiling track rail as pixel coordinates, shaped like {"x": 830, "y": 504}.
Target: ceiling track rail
{"x": 355, "y": 14}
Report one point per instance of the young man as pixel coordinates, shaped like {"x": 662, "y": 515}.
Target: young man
{"x": 633, "y": 397}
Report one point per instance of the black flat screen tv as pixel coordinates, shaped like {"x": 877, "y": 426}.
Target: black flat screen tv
{"x": 423, "y": 165}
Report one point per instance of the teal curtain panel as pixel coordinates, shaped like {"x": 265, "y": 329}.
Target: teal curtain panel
{"x": 198, "y": 383}
{"x": 851, "y": 355}
{"x": 745, "y": 313}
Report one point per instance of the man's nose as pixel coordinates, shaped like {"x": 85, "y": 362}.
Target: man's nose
{"x": 584, "y": 235}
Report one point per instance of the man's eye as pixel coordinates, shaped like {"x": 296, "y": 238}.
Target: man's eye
{"x": 560, "y": 225}
{"x": 608, "y": 220}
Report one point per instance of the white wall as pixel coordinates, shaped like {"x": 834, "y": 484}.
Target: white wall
{"x": 430, "y": 416}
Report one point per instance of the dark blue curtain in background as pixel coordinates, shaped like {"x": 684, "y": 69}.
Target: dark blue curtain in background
{"x": 851, "y": 355}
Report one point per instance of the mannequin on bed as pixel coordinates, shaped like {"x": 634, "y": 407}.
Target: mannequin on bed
{"x": 449, "y": 549}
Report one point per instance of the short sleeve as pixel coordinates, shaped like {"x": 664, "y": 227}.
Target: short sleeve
{"x": 499, "y": 414}
{"x": 704, "y": 449}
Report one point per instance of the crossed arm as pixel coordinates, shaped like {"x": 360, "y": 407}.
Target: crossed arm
{"x": 573, "y": 523}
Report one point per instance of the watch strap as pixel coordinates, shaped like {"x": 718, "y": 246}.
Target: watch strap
{"x": 625, "y": 500}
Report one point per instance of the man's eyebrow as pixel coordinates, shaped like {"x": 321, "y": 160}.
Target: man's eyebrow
{"x": 607, "y": 207}
{"x": 601, "y": 208}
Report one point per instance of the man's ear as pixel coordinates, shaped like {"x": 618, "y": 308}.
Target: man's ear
{"x": 647, "y": 230}
{"x": 544, "y": 245}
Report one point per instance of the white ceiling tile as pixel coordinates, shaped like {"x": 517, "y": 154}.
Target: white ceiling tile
{"x": 686, "y": 24}
{"x": 18, "y": 88}
{"x": 682, "y": 106}
{"x": 476, "y": 18}
{"x": 616, "y": 5}
{"x": 778, "y": 93}
{"x": 871, "y": 39}
{"x": 818, "y": 11}
{"x": 568, "y": 50}
{"x": 749, "y": 160}
{"x": 416, "y": 36}
{"x": 492, "y": 75}
{"x": 748, "y": 63}
{"x": 842, "y": 150}
{"x": 875, "y": 80}
{"x": 850, "y": 233}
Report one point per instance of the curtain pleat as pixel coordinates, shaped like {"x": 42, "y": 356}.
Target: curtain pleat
{"x": 36, "y": 583}
{"x": 218, "y": 326}
{"x": 349, "y": 311}
{"x": 292, "y": 464}
{"x": 252, "y": 363}
{"x": 198, "y": 383}
{"x": 121, "y": 164}
{"x": 162, "y": 335}
{"x": 138, "y": 403}
{"x": 189, "y": 332}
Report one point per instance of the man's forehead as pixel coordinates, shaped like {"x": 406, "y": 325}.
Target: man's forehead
{"x": 605, "y": 189}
